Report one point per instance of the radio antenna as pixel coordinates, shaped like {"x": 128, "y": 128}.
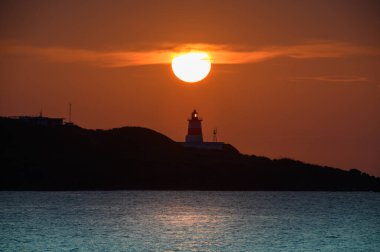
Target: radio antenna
{"x": 69, "y": 112}
{"x": 215, "y": 135}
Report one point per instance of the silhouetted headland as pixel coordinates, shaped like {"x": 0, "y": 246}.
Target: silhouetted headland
{"x": 67, "y": 157}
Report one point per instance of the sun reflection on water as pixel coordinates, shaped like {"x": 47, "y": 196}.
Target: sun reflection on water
{"x": 193, "y": 229}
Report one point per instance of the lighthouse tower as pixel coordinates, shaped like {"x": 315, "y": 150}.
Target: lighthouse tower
{"x": 194, "y": 132}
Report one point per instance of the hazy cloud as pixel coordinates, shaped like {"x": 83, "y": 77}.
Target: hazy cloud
{"x": 97, "y": 58}
{"x": 220, "y": 54}
{"x": 306, "y": 51}
{"x": 334, "y": 78}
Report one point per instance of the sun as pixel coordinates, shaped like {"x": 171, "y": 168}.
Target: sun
{"x": 191, "y": 67}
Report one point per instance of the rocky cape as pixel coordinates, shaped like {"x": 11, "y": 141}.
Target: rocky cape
{"x": 36, "y": 157}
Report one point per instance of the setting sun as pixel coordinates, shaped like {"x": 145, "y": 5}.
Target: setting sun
{"x": 191, "y": 67}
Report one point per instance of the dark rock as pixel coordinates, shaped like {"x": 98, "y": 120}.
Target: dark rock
{"x": 35, "y": 157}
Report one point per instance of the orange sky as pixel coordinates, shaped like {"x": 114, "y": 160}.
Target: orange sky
{"x": 296, "y": 79}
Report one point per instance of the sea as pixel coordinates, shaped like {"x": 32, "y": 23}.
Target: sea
{"x": 189, "y": 221}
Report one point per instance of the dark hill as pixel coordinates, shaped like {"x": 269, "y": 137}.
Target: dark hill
{"x": 34, "y": 157}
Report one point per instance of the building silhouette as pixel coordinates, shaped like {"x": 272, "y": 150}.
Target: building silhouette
{"x": 40, "y": 120}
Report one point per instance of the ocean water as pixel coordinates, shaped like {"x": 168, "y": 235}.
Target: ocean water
{"x": 189, "y": 221}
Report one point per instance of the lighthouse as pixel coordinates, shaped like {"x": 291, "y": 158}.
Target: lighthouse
{"x": 194, "y": 137}
{"x": 194, "y": 132}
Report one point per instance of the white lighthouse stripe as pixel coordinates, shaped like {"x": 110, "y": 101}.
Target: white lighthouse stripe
{"x": 195, "y": 124}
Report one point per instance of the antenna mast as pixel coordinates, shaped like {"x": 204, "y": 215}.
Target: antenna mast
{"x": 215, "y": 135}
{"x": 69, "y": 112}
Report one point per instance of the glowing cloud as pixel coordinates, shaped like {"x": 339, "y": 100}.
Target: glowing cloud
{"x": 219, "y": 54}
